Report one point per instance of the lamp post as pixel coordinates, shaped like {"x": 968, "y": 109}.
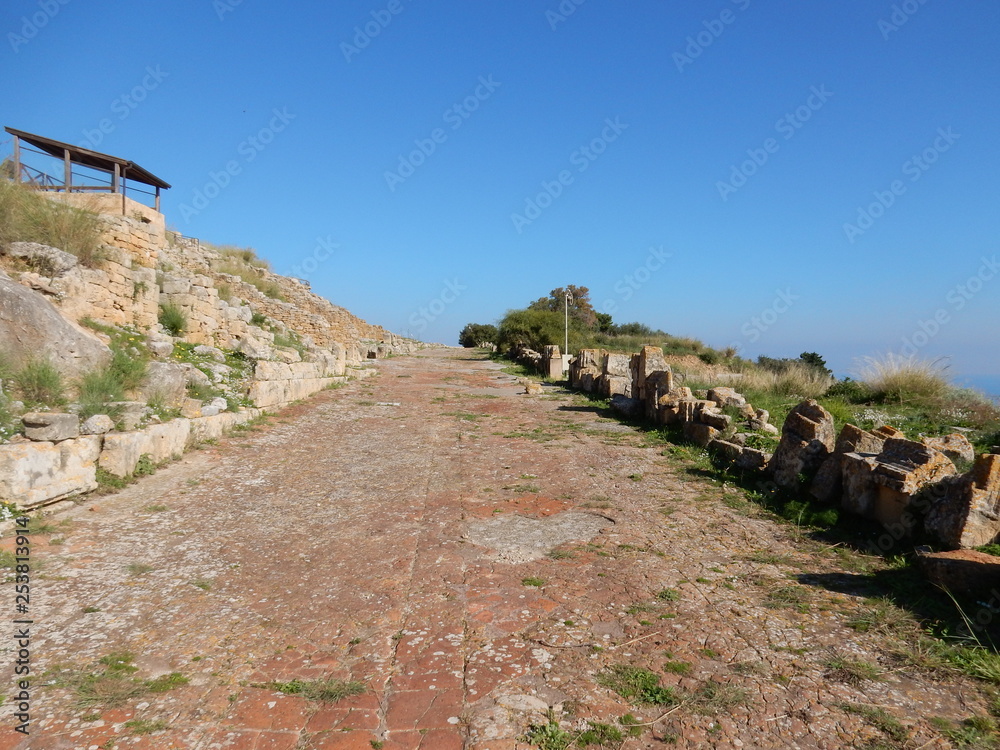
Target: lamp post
{"x": 566, "y": 350}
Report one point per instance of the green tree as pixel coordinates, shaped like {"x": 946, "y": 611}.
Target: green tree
{"x": 533, "y": 328}
{"x": 814, "y": 360}
{"x": 477, "y": 334}
{"x": 580, "y": 307}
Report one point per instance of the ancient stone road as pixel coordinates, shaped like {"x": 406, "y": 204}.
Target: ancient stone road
{"x": 476, "y": 558}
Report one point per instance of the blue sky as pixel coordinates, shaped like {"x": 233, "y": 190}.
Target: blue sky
{"x": 428, "y": 164}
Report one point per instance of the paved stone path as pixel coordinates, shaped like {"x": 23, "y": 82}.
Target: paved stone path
{"x": 475, "y": 558}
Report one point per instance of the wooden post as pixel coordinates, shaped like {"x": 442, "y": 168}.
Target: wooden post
{"x": 68, "y": 177}
{"x": 17, "y": 159}
{"x": 157, "y": 199}
{"x": 124, "y": 188}
{"x": 116, "y": 178}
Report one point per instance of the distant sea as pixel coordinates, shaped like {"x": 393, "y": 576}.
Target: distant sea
{"x": 988, "y": 384}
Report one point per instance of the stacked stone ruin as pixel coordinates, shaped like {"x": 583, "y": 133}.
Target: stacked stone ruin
{"x": 49, "y": 298}
{"x": 905, "y": 485}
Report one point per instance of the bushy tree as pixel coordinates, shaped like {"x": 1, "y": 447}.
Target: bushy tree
{"x": 531, "y": 327}
{"x": 814, "y": 360}
{"x": 580, "y": 308}
{"x": 477, "y": 334}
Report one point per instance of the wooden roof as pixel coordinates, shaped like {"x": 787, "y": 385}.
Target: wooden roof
{"x": 129, "y": 169}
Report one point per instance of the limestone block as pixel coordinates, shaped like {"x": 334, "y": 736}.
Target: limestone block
{"x": 725, "y": 396}
{"x": 210, "y": 351}
{"x": 50, "y": 427}
{"x": 751, "y": 459}
{"x": 99, "y": 424}
{"x": 700, "y": 434}
{"x": 828, "y": 484}
{"x": 955, "y": 446}
{"x": 176, "y": 286}
{"x": 161, "y": 442}
{"x": 166, "y": 382}
{"x": 858, "y": 487}
{"x": 716, "y": 419}
{"x": 36, "y": 473}
{"x": 611, "y": 385}
{"x": 618, "y": 365}
{"x": 49, "y": 261}
{"x": 963, "y": 572}
{"x": 625, "y": 406}
{"x": 807, "y": 438}
{"x": 966, "y": 512}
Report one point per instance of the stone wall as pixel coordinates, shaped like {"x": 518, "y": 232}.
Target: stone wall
{"x": 34, "y": 473}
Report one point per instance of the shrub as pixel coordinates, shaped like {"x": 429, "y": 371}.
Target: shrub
{"x": 28, "y": 216}
{"x": 172, "y": 318}
{"x": 39, "y": 383}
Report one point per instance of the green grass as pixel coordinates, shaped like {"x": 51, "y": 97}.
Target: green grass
{"x": 878, "y": 718}
{"x": 637, "y": 684}
{"x": 533, "y": 581}
{"x": 668, "y": 595}
{"x": 173, "y": 319}
{"x": 145, "y": 726}
{"x": 548, "y": 736}
{"x": 327, "y": 690}
{"x": 38, "y": 383}
{"x": 113, "y": 683}
{"x": 851, "y": 671}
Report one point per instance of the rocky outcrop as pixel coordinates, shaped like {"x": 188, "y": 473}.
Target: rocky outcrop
{"x": 31, "y": 328}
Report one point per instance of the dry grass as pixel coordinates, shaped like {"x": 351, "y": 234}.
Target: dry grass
{"x": 795, "y": 380}
{"x": 897, "y": 379}
{"x": 28, "y": 216}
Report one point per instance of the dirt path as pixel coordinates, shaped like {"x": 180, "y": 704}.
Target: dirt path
{"x": 474, "y": 558}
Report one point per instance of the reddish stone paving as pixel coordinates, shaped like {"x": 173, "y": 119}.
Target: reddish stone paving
{"x": 340, "y": 542}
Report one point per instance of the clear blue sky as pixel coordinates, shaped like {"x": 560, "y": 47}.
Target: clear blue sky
{"x": 766, "y": 265}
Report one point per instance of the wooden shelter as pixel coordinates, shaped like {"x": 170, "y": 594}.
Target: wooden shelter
{"x": 121, "y": 171}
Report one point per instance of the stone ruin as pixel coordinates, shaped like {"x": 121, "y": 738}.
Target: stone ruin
{"x": 48, "y": 298}
{"x": 905, "y": 485}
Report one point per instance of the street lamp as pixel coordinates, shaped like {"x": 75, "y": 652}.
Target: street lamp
{"x": 569, "y": 296}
